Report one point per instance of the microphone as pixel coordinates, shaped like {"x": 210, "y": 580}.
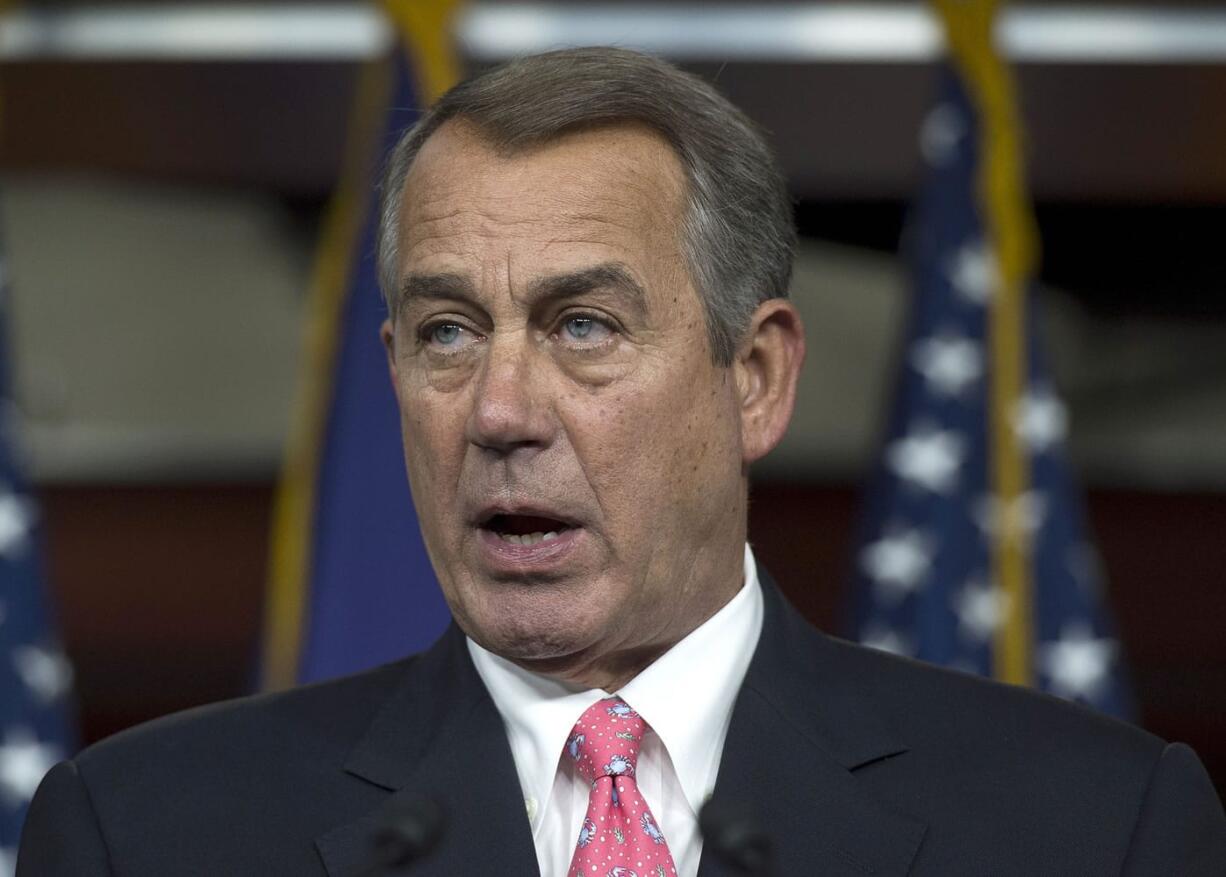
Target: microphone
{"x": 735, "y": 839}
{"x": 406, "y": 835}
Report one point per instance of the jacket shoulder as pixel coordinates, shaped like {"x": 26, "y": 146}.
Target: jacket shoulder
{"x": 1007, "y": 774}
{"x": 934, "y": 706}
{"x": 239, "y": 787}
{"x": 319, "y": 720}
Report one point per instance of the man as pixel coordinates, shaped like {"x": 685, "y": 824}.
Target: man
{"x": 585, "y": 256}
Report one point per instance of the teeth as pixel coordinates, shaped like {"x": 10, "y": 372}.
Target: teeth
{"x": 528, "y": 538}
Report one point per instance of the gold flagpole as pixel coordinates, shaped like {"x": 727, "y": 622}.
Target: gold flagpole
{"x": 1012, "y": 240}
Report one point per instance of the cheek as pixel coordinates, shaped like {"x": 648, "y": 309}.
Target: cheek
{"x": 705, "y": 439}
{"x": 432, "y": 426}
{"x": 652, "y": 450}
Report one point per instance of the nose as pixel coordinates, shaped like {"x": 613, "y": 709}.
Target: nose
{"x": 509, "y": 408}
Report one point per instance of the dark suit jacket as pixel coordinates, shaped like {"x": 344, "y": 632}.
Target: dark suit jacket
{"x": 853, "y": 761}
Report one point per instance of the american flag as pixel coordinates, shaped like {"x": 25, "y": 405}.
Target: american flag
{"x": 35, "y": 677}
{"x": 924, "y": 582}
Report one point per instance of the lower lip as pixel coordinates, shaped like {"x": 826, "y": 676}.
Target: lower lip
{"x": 502, "y": 555}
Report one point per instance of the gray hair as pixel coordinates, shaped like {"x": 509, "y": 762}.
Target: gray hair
{"x": 738, "y": 237}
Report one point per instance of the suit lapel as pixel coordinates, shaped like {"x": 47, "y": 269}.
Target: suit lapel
{"x": 440, "y": 736}
{"x": 798, "y": 734}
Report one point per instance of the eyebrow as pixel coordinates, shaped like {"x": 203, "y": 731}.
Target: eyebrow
{"x": 612, "y": 276}
{"x": 434, "y": 286}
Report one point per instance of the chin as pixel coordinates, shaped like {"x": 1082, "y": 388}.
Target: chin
{"x": 534, "y": 630}
{"x": 531, "y": 644}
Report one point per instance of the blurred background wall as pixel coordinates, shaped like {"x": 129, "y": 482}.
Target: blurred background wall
{"x": 161, "y": 194}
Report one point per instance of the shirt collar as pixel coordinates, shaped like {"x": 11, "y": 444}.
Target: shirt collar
{"x": 538, "y": 712}
{"x": 686, "y": 696}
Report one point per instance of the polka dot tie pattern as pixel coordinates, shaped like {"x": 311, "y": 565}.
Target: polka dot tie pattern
{"x": 619, "y": 836}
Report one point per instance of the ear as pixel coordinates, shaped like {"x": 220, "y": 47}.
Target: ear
{"x": 387, "y": 334}
{"x": 767, "y": 368}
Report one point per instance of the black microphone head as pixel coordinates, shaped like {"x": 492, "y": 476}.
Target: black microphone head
{"x": 735, "y": 837}
{"x": 408, "y": 832}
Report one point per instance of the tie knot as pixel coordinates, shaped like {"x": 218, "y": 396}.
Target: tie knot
{"x": 605, "y": 740}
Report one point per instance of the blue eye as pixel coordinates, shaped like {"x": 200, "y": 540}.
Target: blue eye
{"x": 587, "y": 331}
{"x": 579, "y": 327}
{"x": 446, "y": 338}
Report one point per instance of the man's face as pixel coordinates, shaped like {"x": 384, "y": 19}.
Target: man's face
{"x": 574, "y": 453}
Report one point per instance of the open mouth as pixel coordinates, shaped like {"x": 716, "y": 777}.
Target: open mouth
{"x": 525, "y": 529}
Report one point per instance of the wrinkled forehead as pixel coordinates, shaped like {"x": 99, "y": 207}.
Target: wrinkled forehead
{"x": 619, "y": 185}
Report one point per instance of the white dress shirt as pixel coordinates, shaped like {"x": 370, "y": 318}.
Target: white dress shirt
{"x": 686, "y": 696}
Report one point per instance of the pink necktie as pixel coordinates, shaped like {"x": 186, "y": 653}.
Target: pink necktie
{"x": 619, "y": 836}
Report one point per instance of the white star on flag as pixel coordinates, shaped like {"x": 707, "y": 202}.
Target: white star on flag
{"x": 1078, "y": 663}
{"x": 1025, "y": 514}
{"x": 949, "y": 363}
{"x": 897, "y": 563}
{"x": 940, "y": 133}
{"x": 973, "y": 272}
{"x": 928, "y": 457}
{"x": 24, "y": 761}
{"x": 884, "y": 639}
{"x": 1040, "y": 420}
{"x": 46, "y": 672}
{"x": 16, "y": 515}
{"x": 980, "y": 609}
{"x": 8, "y": 862}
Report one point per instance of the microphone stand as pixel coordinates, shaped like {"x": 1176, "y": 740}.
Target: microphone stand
{"x": 735, "y": 839}
{"x": 405, "y": 836}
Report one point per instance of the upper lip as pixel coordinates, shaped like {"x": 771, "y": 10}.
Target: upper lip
{"x": 487, "y": 512}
